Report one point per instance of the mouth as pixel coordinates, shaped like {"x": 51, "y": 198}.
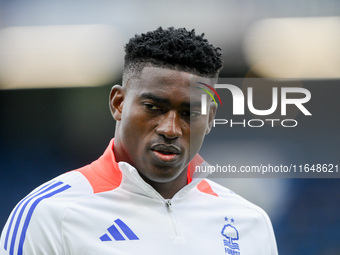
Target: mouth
{"x": 166, "y": 153}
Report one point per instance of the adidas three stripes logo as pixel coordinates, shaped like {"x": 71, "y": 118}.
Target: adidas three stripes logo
{"x": 116, "y": 234}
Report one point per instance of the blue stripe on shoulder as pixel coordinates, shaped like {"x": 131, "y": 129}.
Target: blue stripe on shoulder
{"x": 25, "y": 202}
{"x": 15, "y": 211}
{"x": 30, "y": 212}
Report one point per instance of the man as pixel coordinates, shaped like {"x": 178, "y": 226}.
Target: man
{"x": 141, "y": 196}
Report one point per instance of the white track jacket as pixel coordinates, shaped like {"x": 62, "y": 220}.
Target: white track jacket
{"x": 107, "y": 208}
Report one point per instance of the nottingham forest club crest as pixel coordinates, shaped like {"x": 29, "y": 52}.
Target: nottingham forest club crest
{"x": 231, "y": 237}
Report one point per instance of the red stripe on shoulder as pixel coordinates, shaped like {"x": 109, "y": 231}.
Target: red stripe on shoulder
{"x": 196, "y": 161}
{"x": 104, "y": 173}
{"x": 205, "y": 187}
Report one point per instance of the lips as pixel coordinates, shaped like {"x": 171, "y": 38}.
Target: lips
{"x": 165, "y": 153}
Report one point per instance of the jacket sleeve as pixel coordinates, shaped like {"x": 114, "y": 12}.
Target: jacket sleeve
{"x": 34, "y": 226}
{"x": 271, "y": 237}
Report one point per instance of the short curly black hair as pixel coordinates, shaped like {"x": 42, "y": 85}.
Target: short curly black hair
{"x": 172, "y": 48}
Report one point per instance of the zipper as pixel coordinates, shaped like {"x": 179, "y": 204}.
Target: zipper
{"x": 179, "y": 239}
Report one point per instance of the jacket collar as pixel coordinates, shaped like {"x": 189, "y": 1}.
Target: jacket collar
{"x": 106, "y": 174}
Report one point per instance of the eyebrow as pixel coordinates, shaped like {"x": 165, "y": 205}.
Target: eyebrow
{"x": 161, "y": 100}
{"x": 155, "y": 98}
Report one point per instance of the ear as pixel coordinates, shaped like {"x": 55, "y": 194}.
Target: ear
{"x": 117, "y": 96}
{"x": 211, "y": 117}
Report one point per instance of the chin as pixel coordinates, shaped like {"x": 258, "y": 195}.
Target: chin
{"x": 162, "y": 176}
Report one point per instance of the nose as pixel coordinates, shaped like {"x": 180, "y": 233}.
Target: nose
{"x": 170, "y": 126}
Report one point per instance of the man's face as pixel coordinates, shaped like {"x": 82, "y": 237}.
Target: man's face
{"x": 157, "y": 113}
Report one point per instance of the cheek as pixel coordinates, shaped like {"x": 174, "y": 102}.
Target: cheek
{"x": 197, "y": 134}
{"x": 137, "y": 123}
{"x": 199, "y": 127}
{"x": 130, "y": 123}
{"x": 131, "y": 114}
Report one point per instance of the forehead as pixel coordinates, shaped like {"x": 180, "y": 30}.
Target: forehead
{"x": 166, "y": 81}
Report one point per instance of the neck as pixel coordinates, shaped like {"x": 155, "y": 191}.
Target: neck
{"x": 169, "y": 189}
{"x": 166, "y": 189}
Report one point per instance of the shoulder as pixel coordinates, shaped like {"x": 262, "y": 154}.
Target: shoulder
{"x": 228, "y": 195}
{"x": 250, "y": 217}
{"x": 229, "y": 200}
{"x": 38, "y": 216}
{"x": 56, "y": 194}
{"x": 67, "y": 187}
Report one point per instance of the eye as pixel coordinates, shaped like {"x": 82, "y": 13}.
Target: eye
{"x": 191, "y": 113}
{"x": 152, "y": 107}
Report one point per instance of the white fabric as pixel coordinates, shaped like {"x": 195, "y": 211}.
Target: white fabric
{"x": 76, "y": 221}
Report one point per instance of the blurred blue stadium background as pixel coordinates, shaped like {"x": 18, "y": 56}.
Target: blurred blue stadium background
{"x": 59, "y": 59}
